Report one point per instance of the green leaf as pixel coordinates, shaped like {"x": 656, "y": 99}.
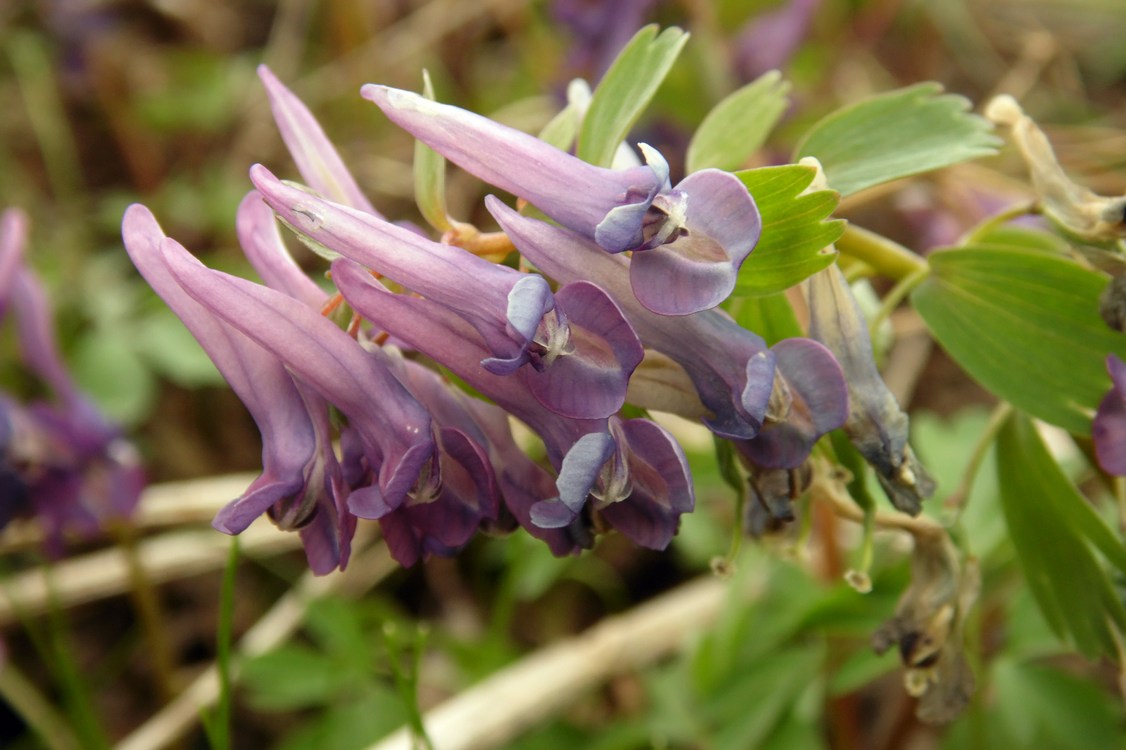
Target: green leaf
{"x": 293, "y": 677}
{"x": 1048, "y": 708}
{"x": 1009, "y": 235}
{"x": 795, "y": 236}
{"x": 1042, "y": 513}
{"x": 739, "y": 125}
{"x": 562, "y": 129}
{"x": 169, "y": 348}
{"x": 770, "y": 316}
{"x": 430, "y": 176}
{"x": 1026, "y": 325}
{"x": 900, "y": 133}
{"x": 108, "y": 368}
{"x": 626, "y": 90}
{"x": 353, "y": 723}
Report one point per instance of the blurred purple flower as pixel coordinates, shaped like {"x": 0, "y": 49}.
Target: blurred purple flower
{"x": 1109, "y": 427}
{"x": 635, "y": 472}
{"x": 599, "y": 30}
{"x": 769, "y": 40}
{"x": 688, "y": 241}
{"x": 580, "y": 347}
{"x": 732, "y": 369}
{"x": 60, "y": 458}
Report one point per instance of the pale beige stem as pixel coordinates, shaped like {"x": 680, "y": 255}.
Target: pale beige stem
{"x": 165, "y": 557}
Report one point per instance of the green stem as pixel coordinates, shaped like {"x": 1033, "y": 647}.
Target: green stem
{"x": 975, "y": 235}
{"x": 406, "y": 680}
{"x": 961, "y": 494}
{"x": 728, "y": 469}
{"x": 219, "y": 728}
{"x": 888, "y": 258}
{"x": 34, "y": 74}
{"x": 36, "y": 711}
{"x": 147, "y": 606}
{"x": 897, "y": 294}
{"x": 65, "y": 668}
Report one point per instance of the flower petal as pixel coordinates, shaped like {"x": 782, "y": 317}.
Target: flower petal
{"x": 589, "y": 381}
{"x": 661, "y": 486}
{"x": 819, "y": 404}
{"x": 574, "y": 193}
{"x": 262, "y": 242}
{"x": 394, "y": 427}
{"x": 728, "y": 364}
{"x": 257, "y": 376}
{"x": 577, "y": 476}
{"x": 317, "y": 160}
{"x": 697, "y": 271}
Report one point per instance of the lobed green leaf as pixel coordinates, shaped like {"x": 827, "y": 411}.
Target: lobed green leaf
{"x": 738, "y": 126}
{"x": 795, "y": 236}
{"x": 900, "y": 133}
{"x": 1026, "y": 325}
{"x": 769, "y": 315}
{"x": 626, "y": 90}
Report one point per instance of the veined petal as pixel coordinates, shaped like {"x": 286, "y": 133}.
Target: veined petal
{"x": 589, "y": 379}
{"x": 697, "y": 270}
{"x": 394, "y": 427}
{"x": 316, "y": 158}
{"x": 660, "y": 482}
{"x": 289, "y": 437}
{"x": 476, "y": 289}
{"x": 577, "y": 476}
{"x": 730, "y": 366}
{"x": 818, "y": 404}
{"x": 445, "y": 523}
{"x": 263, "y": 245}
{"x": 574, "y": 193}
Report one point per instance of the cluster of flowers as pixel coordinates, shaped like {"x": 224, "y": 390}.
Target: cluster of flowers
{"x": 61, "y": 460}
{"x": 638, "y": 266}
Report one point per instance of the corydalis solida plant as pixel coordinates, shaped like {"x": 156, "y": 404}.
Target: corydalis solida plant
{"x": 641, "y": 263}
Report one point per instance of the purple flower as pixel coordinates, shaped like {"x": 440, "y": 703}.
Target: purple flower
{"x": 698, "y": 233}
{"x": 60, "y": 458}
{"x": 300, "y": 486}
{"x": 599, "y": 30}
{"x": 769, "y": 40}
{"x": 579, "y": 345}
{"x": 393, "y": 428}
{"x": 811, "y": 400}
{"x": 1109, "y": 427}
{"x": 617, "y": 463}
{"x": 264, "y": 248}
{"x": 317, "y": 160}
{"x": 732, "y": 369}
{"x": 448, "y": 510}
{"x": 876, "y": 425}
